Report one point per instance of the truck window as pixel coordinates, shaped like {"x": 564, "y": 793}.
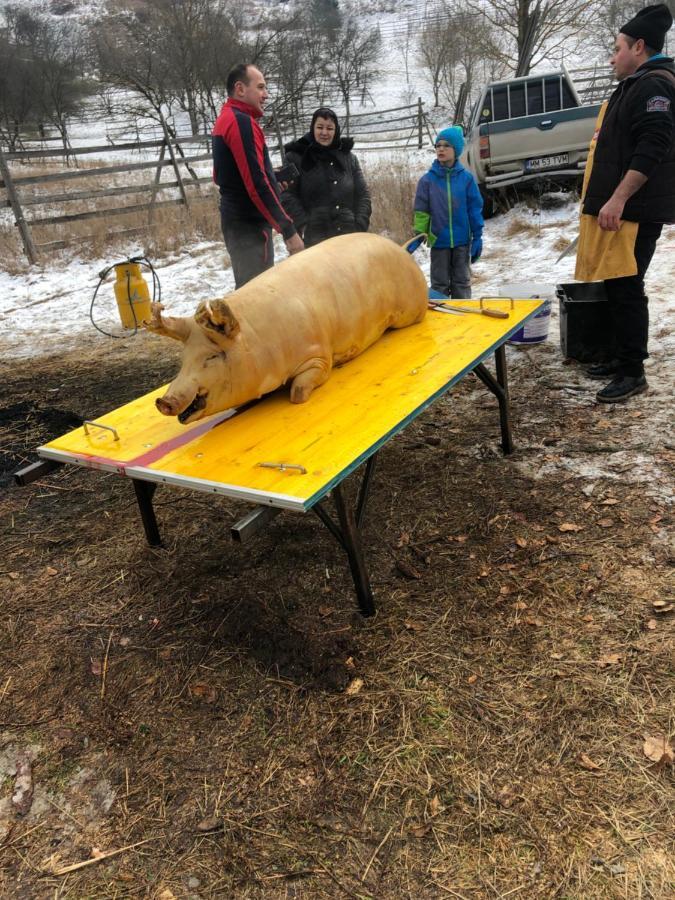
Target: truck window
{"x": 552, "y": 94}
{"x": 568, "y": 99}
{"x": 486, "y": 108}
{"x": 535, "y": 99}
{"x": 517, "y": 97}
{"x": 500, "y": 103}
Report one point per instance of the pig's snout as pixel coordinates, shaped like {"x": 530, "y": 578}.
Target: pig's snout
{"x": 167, "y": 406}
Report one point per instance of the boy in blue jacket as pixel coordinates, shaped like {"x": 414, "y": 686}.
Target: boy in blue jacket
{"x": 449, "y": 211}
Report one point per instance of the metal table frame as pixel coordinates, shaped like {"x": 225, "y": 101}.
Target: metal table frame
{"x": 347, "y": 529}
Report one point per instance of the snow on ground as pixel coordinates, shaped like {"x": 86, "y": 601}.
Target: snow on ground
{"x": 46, "y": 310}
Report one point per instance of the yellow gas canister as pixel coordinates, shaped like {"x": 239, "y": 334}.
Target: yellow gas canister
{"x": 132, "y": 294}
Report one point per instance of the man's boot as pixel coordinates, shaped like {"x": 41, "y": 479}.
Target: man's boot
{"x": 604, "y": 369}
{"x": 621, "y": 387}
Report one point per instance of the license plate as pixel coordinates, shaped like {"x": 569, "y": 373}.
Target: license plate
{"x": 547, "y": 162}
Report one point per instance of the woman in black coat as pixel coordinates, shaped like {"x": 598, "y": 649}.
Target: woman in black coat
{"x": 329, "y": 197}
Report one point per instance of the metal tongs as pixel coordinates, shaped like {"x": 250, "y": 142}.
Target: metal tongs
{"x": 443, "y": 306}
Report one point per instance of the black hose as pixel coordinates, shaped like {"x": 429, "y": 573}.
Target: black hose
{"x": 156, "y": 292}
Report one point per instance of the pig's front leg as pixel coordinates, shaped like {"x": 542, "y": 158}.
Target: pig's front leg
{"x": 314, "y": 372}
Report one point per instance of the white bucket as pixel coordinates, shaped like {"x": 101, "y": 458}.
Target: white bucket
{"x": 536, "y": 329}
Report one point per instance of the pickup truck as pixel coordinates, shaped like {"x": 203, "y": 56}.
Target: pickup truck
{"x": 530, "y": 127}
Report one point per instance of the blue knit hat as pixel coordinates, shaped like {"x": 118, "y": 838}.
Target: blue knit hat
{"x": 454, "y": 136}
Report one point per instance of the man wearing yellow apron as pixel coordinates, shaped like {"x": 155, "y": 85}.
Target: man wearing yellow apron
{"x": 632, "y": 180}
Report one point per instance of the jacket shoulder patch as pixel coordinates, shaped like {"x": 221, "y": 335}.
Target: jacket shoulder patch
{"x": 658, "y": 104}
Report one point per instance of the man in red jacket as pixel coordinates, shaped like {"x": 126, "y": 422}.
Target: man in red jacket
{"x": 249, "y": 193}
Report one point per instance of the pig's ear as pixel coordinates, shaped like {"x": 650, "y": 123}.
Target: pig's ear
{"x": 216, "y": 315}
{"x": 176, "y": 328}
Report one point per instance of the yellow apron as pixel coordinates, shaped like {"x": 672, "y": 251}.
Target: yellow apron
{"x": 603, "y": 254}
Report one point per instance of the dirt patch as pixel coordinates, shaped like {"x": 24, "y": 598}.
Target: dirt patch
{"x": 227, "y": 705}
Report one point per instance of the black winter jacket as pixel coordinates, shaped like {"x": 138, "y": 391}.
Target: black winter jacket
{"x": 330, "y": 196}
{"x": 638, "y": 132}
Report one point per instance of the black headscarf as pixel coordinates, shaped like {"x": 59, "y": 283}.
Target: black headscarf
{"x": 312, "y": 152}
{"x": 325, "y": 112}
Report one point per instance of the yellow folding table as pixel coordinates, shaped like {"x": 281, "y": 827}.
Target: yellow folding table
{"x": 278, "y": 455}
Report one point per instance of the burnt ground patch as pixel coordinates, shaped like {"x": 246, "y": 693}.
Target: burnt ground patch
{"x": 483, "y": 734}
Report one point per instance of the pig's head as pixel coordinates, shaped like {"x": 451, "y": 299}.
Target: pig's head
{"x": 204, "y": 384}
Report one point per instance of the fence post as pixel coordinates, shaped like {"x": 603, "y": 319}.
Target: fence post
{"x": 155, "y": 184}
{"x": 181, "y": 186}
{"x": 13, "y": 197}
{"x": 420, "y": 122}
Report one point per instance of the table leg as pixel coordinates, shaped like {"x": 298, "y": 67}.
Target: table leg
{"x": 352, "y": 543}
{"x": 504, "y": 399}
{"x": 144, "y": 494}
{"x": 499, "y": 386}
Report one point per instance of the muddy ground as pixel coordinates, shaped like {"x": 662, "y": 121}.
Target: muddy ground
{"x": 224, "y": 717}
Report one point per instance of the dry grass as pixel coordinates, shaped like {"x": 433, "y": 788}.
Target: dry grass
{"x": 162, "y": 232}
{"x": 522, "y": 227}
{"x": 392, "y": 187}
{"x": 495, "y": 747}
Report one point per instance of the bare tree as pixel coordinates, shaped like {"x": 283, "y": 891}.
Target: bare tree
{"x": 458, "y": 49}
{"x": 188, "y": 47}
{"x": 613, "y": 16}
{"x": 435, "y": 53}
{"x": 353, "y": 51}
{"x": 530, "y": 29}
{"x": 41, "y": 73}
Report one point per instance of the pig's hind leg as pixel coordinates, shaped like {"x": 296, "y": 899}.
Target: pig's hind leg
{"x": 313, "y": 373}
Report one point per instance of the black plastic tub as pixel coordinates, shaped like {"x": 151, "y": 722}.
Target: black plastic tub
{"x": 586, "y": 327}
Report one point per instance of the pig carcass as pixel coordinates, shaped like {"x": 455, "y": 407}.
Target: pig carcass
{"x": 317, "y": 309}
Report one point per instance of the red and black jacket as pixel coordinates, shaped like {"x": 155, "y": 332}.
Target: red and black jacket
{"x": 242, "y": 169}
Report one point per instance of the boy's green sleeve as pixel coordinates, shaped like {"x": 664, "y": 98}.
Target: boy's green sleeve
{"x": 422, "y": 225}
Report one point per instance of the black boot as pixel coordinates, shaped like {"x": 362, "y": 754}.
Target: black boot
{"x": 621, "y": 387}
{"x": 603, "y": 369}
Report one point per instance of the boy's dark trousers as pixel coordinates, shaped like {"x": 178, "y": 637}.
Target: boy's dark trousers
{"x": 250, "y": 247}
{"x": 628, "y": 305}
{"x": 450, "y": 272}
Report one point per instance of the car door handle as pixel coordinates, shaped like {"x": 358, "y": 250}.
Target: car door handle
{"x": 546, "y": 123}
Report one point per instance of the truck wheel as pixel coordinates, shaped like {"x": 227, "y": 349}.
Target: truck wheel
{"x": 489, "y": 207}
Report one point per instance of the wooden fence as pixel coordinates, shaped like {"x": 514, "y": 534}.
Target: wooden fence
{"x": 170, "y": 153}
{"x": 400, "y": 128}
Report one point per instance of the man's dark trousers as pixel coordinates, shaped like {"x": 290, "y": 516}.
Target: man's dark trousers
{"x": 250, "y": 246}
{"x": 629, "y": 305}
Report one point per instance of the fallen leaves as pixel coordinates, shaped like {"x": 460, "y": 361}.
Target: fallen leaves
{"x": 208, "y": 824}
{"x": 506, "y": 796}
{"x": 609, "y": 659}
{"x": 354, "y": 686}
{"x": 657, "y": 748}
{"x": 606, "y": 523}
{"x": 407, "y": 570}
{"x": 590, "y": 765}
{"x": 569, "y": 526}
{"x": 203, "y": 691}
{"x": 22, "y": 798}
{"x": 662, "y": 606}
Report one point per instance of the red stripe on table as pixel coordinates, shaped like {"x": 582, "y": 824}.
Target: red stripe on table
{"x": 160, "y": 450}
